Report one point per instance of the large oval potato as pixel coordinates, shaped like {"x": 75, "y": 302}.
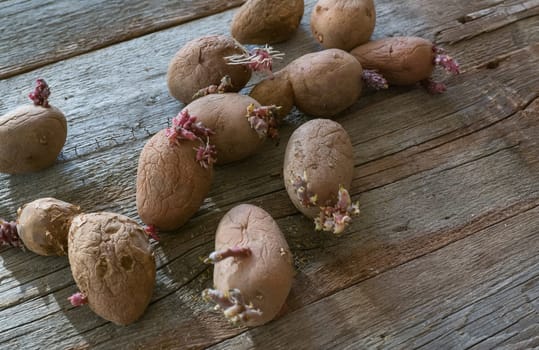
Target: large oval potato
{"x": 113, "y": 265}
{"x": 31, "y": 137}
{"x": 171, "y": 184}
{"x": 201, "y": 63}
{"x": 43, "y": 225}
{"x": 265, "y": 277}
{"x": 326, "y": 82}
{"x": 343, "y": 24}
{"x": 226, "y": 115}
{"x": 267, "y": 21}
{"x": 320, "y": 149}
{"x": 401, "y": 60}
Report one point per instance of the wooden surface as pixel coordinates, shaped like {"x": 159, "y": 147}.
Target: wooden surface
{"x": 445, "y": 254}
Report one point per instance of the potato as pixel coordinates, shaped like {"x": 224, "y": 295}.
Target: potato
{"x": 326, "y": 82}
{"x": 113, "y": 265}
{"x": 343, "y": 24}
{"x": 43, "y": 225}
{"x": 267, "y": 21}
{"x": 201, "y": 63}
{"x": 171, "y": 184}
{"x": 253, "y": 285}
{"x": 275, "y": 91}
{"x": 226, "y": 115}
{"x": 31, "y": 138}
{"x": 318, "y": 169}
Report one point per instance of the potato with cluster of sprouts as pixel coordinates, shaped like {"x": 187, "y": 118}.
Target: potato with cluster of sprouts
{"x": 253, "y": 267}
{"x": 318, "y": 170}
{"x": 175, "y": 172}
{"x": 267, "y": 21}
{"x": 32, "y": 136}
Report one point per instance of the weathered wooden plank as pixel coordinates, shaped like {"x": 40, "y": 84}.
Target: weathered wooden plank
{"x": 465, "y": 295}
{"x": 34, "y": 34}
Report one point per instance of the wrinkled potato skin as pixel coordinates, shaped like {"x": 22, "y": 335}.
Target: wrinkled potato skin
{"x": 171, "y": 184}
{"x": 267, "y": 21}
{"x": 343, "y": 24}
{"x": 201, "y": 63}
{"x": 31, "y": 137}
{"x": 265, "y": 277}
{"x": 43, "y": 225}
{"x": 401, "y": 60}
{"x": 277, "y": 91}
{"x": 323, "y": 149}
{"x": 113, "y": 265}
{"x": 326, "y": 82}
{"x": 226, "y": 115}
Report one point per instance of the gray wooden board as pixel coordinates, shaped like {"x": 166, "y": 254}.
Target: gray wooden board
{"x": 429, "y": 171}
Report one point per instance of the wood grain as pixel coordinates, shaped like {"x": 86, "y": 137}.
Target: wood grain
{"x": 432, "y": 174}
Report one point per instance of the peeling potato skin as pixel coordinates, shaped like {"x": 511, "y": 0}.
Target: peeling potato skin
{"x": 226, "y": 115}
{"x": 277, "y": 91}
{"x": 325, "y": 83}
{"x": 321, "y": 148}
{"x": 43, "y": 225}
{"x": 267, "y": 21}
{"x": 201, "y": 63}
{"x": 343, "y": 24}
{"x": 31, "y": 137}
{"x": 401, "y": 60}
{"x": 265, "y": 277}
{"x": 171, "y": 184}
{"x": 113, "y": 265}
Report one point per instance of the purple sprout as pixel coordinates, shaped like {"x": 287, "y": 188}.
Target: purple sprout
{"x": 41, "y": 94}
{"x": 306, "y": 197}
{"x": 206, "y": 154}
{"x": 445, "y": 61}
{"x": 258, "y": 59}
{"x": 9, "y": 235}
{"x": 374, "y": 80}
{"x": 78, "y": 299}
{"x": 224, "y": 86}
{"x": 234, "y": 252}
{"x": 232, "y": 303}
{"x": 264, "y": 120}
{"x": 151, "y": 231}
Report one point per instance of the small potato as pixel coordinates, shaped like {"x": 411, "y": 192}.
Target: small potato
{"x": 343, "y": 24}
{"x": 171, "y": 184}
{"x": 226, "y": 115}
{"x": 253, "y": 266}
{"x": 275, "y": 91}
{"x": 31, "y": 137}
{"x": 43, "y": 225}
{"x": 267, "y": 21}
{"x": 318, "y": 170}
{"x": 326, "y": 82}
{"x": 113, "y": 265}
{"x": 201, "y": 63}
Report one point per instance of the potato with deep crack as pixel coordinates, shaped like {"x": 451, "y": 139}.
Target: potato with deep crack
{"x": 113, "y": 265}
{"x": 253, "y": 267}
{"x": 318, "y": 171}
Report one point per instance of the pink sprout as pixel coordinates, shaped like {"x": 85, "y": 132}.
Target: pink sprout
{"x": 9, "y": 235}
{"x": 336, "y": 218}
{"x": 433, "y": 87}
{"x": 374, "y": 79}
{"x": 234, "y": 252}
{"x": 78, "y": 299}
{"x": 151, "y": 231}
{"x": 445, "y": 61}
{"x": 206, "y": 154}
{"x": 186, "y": 127}
{"x": 306, "y": 197}
{"x": 224, "y": 86}
{"x": 233, "y": 304}
{"x": 40, "y": 94}
{"x": 258, "y": 59}
{"x": 264, "y": 120}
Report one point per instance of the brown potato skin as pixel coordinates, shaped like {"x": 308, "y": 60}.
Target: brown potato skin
{"x": 31, "y": 137}
{"x": 201, "y": 63}
{"x": 321, "y": 148}
{"x": 343, "y": 24}
{"x": 267, "y": 21}
{"x": 275, "y": 91}
{"x": 43, "y": 225}
{"x": 401, "y": 60}
{"x": 226, "y": 115}
{"x": 171, "y": 184}
{"x": 325, "y": 83}
{"x": 265, "y": 277}
{"x": 113, "y": 265}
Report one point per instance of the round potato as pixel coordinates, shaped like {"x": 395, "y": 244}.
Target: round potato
{"x": 31, "y": 137}
{"x": 326, "y": 82}
{"x": 267, "y": 21}
{"x": 171, "y": 184}
{"x": 343, "y": 24}
{"x": 43, "y": 225}
{"x": 201, "y": 63}
{"x": 275, "y": 91}
{"x": 264, "y": 277}
{"x": 321, "y": 151}
{"x": 113, "y": 265}
{"x": 226, "y": 115}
